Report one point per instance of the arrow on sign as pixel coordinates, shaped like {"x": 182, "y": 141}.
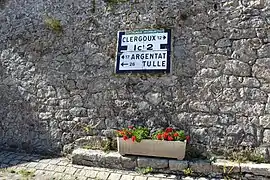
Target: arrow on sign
{"x": 123, "y": 57}
{"x": 123, "y": 64}
{"x": 164, "y": 37}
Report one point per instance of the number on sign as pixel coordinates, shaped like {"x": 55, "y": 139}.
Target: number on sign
{"x": 149, "y": 46}
{"x": 132, "y": 64}
{"x": 140, "y": 48}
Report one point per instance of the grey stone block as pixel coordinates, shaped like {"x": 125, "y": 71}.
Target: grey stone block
{"x": 222, "y": 165}
{"x": 257, "y": 169}
{"x": 156, "y": 163}
{"x": 203, "y": 167}
{"x": 176, "y": 165}
{"x": 128, "y": 162}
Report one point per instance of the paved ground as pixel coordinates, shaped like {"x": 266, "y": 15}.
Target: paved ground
{"x": 25, "y": 166}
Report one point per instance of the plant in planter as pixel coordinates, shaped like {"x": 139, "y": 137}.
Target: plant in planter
{"x": 137, "y": 141}
{"x": 136, "y": 134}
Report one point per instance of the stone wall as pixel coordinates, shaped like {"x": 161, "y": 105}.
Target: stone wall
{"x": 58, "y": 86}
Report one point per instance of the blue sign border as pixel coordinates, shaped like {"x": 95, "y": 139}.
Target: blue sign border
{"x": 169, "y": 50}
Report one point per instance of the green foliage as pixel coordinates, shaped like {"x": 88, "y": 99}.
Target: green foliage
{"x": 132, "y": 132}
{"x": 87, "y": 147}
{"x": 227, "y": 171}
{"x": 140, "y": 133}
{"x": 87, "y": 129}
{"x": 188, "y": 171}
{"x": 169, "y": 133}
{"x": 115, "y": 2}
{"x": 258, "y": 158}
{"x": 26, "y": 173}
{"x": 54, "y": 24}
{"x": 244, "y": 156}
{"x": 106, "y": 146}
{"x": 146, "y": 170}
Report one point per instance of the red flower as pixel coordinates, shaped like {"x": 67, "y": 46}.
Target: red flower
{"x": 188, "y": 139}
{"x": 159, "y": 136}
{"x": 169, "y": 129}
{"x": 165, "y": 135}
{"x": 125, "y": 138}
{"x": 130, "y": 127}
{"x": 170, "y": 138}
{"x": 133, "y": 138}
{"x": 176, "y": 134}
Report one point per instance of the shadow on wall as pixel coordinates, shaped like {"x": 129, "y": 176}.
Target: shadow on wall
{"x": 20, "y": 127}
{"x": 3, "y": 4}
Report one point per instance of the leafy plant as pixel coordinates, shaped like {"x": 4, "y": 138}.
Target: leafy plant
{"x": 169, "y": 134}
{"x": 26, "y": 173}
{"x": 136, "y": 134}
{"x": 245, "y": 155}
{"x": 258, "y": 158}
{"x": 87, "y": 147}
{"x": 227, "y": 171}
{"x": 87, "y": 129}
{"x": 114, "y": 2}
{"x": 188, "y": 171}
{"x": 54, "y": 24}
{"x": 107, "y": 145}
{"x": 146, "y": 170}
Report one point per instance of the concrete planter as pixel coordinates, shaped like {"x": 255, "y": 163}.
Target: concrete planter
{"x": 148, "y": 147}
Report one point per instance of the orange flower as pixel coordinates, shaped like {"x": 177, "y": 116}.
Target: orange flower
{"x": 176, "y": 134}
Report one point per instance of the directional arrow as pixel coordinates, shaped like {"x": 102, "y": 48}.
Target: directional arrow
{"x": 123, "y": 57}
{"x": 164, "y": 37}
{"x": 123, "y": 64}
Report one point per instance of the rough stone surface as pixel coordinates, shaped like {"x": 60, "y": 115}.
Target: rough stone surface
{"x": 155, "y": 163}
{"x": 203, "y": 167}
{"x": 54, "y": 84}
{"x": 261, "y": 169}
{"x": 223, "y": 165}
{"x": 61, "y": 168}
{"x": 175, "y": 165}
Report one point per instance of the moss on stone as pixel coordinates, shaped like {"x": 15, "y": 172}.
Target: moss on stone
{"x": 54, "y": 24}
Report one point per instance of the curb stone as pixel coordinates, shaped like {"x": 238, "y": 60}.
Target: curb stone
{"x": 114, "y": 160}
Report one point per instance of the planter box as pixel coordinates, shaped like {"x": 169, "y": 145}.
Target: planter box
{"x": 148, "y": 147}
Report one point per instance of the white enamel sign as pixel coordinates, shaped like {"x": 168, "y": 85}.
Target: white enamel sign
{"x": 144, "y": 51}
